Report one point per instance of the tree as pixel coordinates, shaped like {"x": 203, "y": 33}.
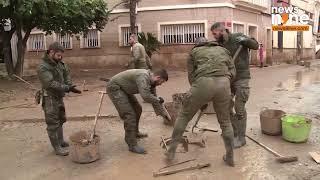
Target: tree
{"x": 133, "y": 15}
{"x": 150, "y": 42}
{"x": 62, "y": 16}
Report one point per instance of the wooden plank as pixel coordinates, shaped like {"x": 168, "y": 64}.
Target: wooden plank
{"x": 315, "y": 156}
{"x": 169, "y": 172}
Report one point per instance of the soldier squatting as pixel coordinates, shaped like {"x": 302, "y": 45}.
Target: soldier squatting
{"x": 212, "y": 75}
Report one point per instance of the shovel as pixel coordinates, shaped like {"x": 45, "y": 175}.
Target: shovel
{"x": 97, "y": 115}
{"x": 280, "y": 158}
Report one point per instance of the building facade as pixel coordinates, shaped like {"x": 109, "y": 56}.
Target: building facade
{"x": 176, "y": 23}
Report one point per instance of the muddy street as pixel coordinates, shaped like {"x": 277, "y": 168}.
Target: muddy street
{"x": 26, "y": 152}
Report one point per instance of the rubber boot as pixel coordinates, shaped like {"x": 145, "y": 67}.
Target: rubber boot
{"x": 53, "y": 136}
{"x": 170, "y": 154}
{"x": 61, "y": 139}
{"x": 235, "y": 125}
{"x": 241, "y": 139}
{"x": 228, "y": 157}
{"x": 137, "y": 149}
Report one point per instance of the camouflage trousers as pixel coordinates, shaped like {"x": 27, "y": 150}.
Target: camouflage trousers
{"x": 240, "y": 95}
{"x": 203, "y": 91}
{"x": 129, "y": 111}
{"x": 54, "y": 112}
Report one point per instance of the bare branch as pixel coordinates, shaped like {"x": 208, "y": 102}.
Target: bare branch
{"x": 115, "y": 18}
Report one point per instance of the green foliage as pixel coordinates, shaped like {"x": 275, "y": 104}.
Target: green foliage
{"x": 62, "y": 16}
{"x": 66, "y": 16}
{"x": 150, "y": 42}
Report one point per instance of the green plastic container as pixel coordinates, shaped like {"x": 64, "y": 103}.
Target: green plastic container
{"x": 295, "y": 128}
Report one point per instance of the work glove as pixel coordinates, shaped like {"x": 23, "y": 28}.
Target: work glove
{"x": 74, "y": 89}
{"x": 204, "y": 107}
{"x": 161, "y": 100}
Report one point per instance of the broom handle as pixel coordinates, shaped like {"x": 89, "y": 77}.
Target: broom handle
{"x": 96, "y": 117}
{"x": 265, "y": 147}
{"x": 31, "y": 86}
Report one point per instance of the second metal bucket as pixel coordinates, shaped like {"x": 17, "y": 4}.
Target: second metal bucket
{"x": 270, "y": 120}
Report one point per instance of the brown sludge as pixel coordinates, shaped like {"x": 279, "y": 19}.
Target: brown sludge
{"x": 83, "y": 138}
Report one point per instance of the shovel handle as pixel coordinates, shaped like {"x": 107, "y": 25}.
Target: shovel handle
{"x": 96, "y": 117}
{"x": 197, "y": 121}
{"x": 166, "y": 111}
{"x": 235, "y": 56}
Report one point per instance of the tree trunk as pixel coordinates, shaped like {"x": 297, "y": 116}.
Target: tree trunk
{"x": 7, "y": 52}
{"x": 133, "y": 16}
{"x": 21, "y": 48}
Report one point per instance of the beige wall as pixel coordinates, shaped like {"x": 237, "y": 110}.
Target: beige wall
{"x": 110, "y": 54}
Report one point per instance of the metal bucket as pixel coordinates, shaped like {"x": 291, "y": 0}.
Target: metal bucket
{"x": 270, "y": 121}
{"x": 82, "y": 150}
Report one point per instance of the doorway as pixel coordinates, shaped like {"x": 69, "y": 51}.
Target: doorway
{"x": 253, "y": 32}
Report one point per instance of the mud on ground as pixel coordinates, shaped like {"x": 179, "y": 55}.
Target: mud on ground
{"x": 27, "y": 153}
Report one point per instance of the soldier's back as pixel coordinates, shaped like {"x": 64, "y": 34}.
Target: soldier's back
{"x": 127, "y": 79}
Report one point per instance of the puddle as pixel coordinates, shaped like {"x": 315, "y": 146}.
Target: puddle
{"x": 301, "y": 79}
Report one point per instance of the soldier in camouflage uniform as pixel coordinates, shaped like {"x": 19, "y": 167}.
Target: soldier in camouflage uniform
{"x": 121, "y": 89}
{"x": 210, "y": 70}
{"x": 139, "y": 57}
{"x": 55, "y": 81}
{"x": 240, "y": 86}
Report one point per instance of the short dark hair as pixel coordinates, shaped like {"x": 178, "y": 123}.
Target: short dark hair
{"x": 56, "y": 47}
{"x": 200, "y": 40}
{"x": 217, "y": 25}
{"x": 162, "y": 73}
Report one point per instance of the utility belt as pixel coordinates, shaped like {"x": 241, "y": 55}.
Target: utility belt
{"x": 40, "y": 94}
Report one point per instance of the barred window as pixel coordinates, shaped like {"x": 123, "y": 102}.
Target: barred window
{"x": 91, "y": 40}
{"x": 238, "y": 28}
{"x": 125, "y": 35}
{"x": 36, "y": 42}
{"x": 181, "y": 33}
{"x": 65, "y": 40}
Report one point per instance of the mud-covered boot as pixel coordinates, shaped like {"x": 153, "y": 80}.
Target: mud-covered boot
{"x": 170, "y": 154}
{"x": 137, "y": 149}
{"x": 228, "y": 157}
{"x": 61, "y": 139}
{"x": 53, "y": 136}
{"x": 241, "y": 140}
{"x": 141, "y": 135}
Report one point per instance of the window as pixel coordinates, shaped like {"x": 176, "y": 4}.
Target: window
{"x": 91, "y": 40}
{"x": 238, "y": 28}
{"x": 125, "y": 35}
{"x": 181, "y": 33}
{"x": 36, "y": 42}
{"x": 65, "y": 40}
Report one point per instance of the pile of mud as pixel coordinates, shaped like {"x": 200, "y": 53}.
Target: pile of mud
{"x": 83, "y": 149}
{"x": 83, "y": 138}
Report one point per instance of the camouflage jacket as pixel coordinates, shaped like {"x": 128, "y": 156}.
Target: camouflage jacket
{"x": 138, "y": 81}
{"x": 54, "y": 77}
{"x": 209, "y": 60}
{"x": 139, "y": 57}
{"x": 232, "y": 43}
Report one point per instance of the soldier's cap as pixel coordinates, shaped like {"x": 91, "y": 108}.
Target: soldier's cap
{"x": 56, "y": 46}
{"x": 201, "y": 40}
{"x": 217, "y": 25}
